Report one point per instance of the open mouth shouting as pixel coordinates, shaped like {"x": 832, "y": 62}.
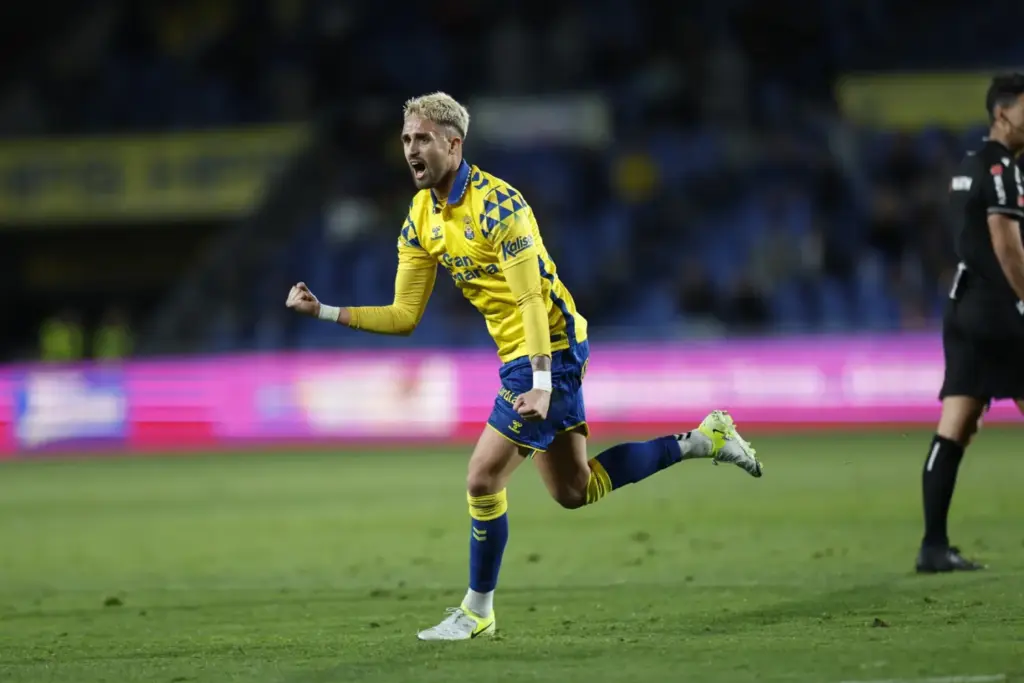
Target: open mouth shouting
{"x": 419, "y": 169}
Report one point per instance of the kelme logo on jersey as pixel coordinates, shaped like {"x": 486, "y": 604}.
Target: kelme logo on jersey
{"x": 512, "y": 248}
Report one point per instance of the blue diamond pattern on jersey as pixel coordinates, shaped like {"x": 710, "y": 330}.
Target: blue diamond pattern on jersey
{"x": 409, "y": 233}
{"x": 500, "y": 208}
{"x": 479, "y": 181}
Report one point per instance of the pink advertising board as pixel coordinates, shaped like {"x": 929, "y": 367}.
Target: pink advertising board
{"x": 347, "y": 397}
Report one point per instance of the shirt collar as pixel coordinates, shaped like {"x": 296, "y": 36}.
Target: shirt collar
{"x": 459, "y": 186}
{"x": 998, "y": 144}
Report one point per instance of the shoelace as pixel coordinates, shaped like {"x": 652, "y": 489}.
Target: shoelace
{"x": 455, "y": 615}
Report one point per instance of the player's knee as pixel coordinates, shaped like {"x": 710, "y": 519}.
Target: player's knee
{"x": 572, "y": 494}
{"x": 481, "y": 483}
{"x": 571, "y": 499}
{"x": 960, "y": 419}
{"x": 958, "y": 430}
{"x": 482, "y": 480}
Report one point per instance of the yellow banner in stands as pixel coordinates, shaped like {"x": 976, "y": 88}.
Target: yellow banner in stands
{"x": 199, "y": 175}
{"x": 908, "y": 101}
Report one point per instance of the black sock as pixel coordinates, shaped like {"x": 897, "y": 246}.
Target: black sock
{"x": 937, "y": 483}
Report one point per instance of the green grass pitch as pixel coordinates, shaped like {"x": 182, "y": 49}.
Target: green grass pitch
{"x": 320, "y": 568}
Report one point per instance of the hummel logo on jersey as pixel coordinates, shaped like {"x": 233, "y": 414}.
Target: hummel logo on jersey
{"x": 513, "y": 248}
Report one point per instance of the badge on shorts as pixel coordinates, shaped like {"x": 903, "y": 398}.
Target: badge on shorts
{"x": 469, "y": 228}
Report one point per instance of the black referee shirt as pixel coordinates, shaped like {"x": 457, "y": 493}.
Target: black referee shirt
{"x": 988, "y": 181}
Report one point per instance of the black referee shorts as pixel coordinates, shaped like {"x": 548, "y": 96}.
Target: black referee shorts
{"x": 984, "y": 368}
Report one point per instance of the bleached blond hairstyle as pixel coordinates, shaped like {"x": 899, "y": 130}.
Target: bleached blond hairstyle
{"x": 442, "y": 109}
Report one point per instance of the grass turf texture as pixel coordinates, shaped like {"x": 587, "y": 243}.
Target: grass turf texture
{"x": 292, "y": 568}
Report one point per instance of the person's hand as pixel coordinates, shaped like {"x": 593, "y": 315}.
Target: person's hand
{"x": 300, "y": 299}
{"x": 533, "y": 405}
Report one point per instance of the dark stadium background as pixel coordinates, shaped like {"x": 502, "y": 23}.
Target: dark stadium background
{"x": 747, "y": 200}
{"x": 717, "y": 186}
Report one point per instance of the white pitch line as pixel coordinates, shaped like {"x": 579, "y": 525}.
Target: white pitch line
{"x": 991, "y": 678}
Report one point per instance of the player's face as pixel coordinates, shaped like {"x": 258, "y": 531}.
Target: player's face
{"x": 1015, "y": 118}
{"x": 428, "y": 150}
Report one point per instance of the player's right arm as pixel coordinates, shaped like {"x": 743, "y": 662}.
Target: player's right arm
{"x": 414, "y": 282}
{"x": 1002, "y": 193}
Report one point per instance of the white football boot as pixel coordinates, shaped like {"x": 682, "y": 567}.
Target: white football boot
{"x": 460, "y": 624}
{"x": 726, "y": 443}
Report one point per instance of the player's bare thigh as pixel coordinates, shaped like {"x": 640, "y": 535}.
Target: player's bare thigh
{"x": 961, "y": 418}
{"x": 494, "y": 460}
{"x": 564, "y": 469}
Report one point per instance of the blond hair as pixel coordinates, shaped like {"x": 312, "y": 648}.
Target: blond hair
{"x": 442, "y": 109}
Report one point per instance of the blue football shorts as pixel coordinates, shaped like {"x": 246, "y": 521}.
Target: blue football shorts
{"x": 566, "y": 412}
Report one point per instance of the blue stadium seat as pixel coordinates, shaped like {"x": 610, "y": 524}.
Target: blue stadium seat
{"x": 834, "y": 304}
{"x": 789, "y": 308}
{"x": 681, "y": 156}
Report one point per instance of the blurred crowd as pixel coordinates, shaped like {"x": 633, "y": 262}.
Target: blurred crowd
{"x": 730, "y": 198}
{"x": 67, "y": 336}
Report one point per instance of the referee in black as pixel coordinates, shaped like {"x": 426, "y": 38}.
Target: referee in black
{"x": 983, "y": 326}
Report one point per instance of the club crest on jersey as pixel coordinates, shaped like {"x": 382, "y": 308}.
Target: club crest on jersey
{"x": 436, "y": 233}
{"x": 469, "y": 233}
{"x": 997, "y": 169}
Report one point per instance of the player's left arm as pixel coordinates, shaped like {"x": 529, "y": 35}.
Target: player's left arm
{"x": 513, "y": 240}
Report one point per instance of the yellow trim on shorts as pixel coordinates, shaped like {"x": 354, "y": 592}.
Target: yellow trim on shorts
{"x": 586, "y": 429}
{"x": 508, "y": 438}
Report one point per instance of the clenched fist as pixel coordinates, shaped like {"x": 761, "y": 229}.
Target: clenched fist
{"x": 533, "y": 405}
{"x": 302, "y": 300}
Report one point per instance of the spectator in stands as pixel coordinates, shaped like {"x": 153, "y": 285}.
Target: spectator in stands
{"x": 902, "y": 166}
{"x": 61, "y": 338}
{"x": 746, "y": 310}
{"x": 696, "y": 295}
{"x": 891, "y": 225}
{"x": 112, "y": 339}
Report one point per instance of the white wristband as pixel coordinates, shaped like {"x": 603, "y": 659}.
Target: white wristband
{"x": 542, "y": 380}
{"x": 329, "y": 313}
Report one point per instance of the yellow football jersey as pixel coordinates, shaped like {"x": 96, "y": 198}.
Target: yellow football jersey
{"x": 481, "y": 229}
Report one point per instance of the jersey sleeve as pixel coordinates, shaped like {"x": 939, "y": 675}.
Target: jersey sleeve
{"x": 507, "y": 225}
{"x": 1002, "y": 188}
{"x": 414, "y": 282}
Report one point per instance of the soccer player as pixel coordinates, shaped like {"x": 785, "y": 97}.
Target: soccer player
{"x": 983, "y": 326}
{"x": 483, "y": 232}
